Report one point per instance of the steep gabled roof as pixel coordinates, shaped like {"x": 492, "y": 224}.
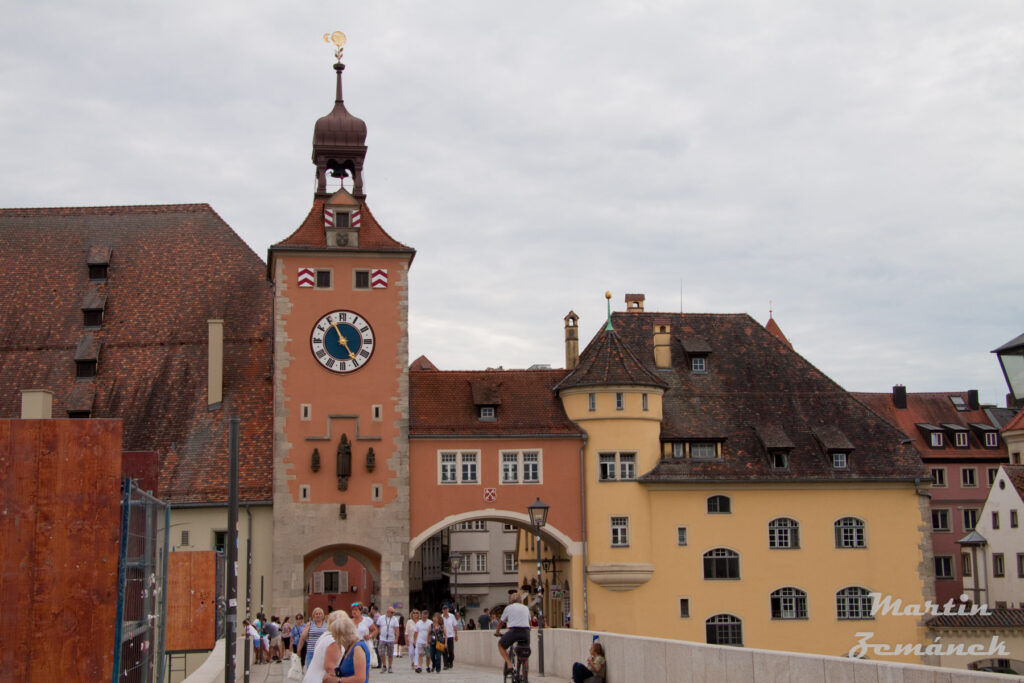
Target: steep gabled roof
{"x": 1016, "y": 423}
{"x": 311, "y": 234}
{"x": 171, "y": 269}
{"x": 607, "y": 361}
{"x": 1015, "y": 473}
{"x": 751, "y": 381}
{"x": 442, "y": 403}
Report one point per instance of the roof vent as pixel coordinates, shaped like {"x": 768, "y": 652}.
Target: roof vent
{"x": 635, "y": 303}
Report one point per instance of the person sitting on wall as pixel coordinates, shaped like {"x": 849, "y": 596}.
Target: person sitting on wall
{"x": 593, "y": 670}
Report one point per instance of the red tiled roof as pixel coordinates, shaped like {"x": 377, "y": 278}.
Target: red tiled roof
{"x": 752, "y": 381}
{"x": 997, "y": 618}
{"x": 172, "y": 268}
{"x": 1015, "y": 473}
{"x": 933, "y": 408}
{"x": 311, "y": 233}
{"x": 1016, "y": 423}
{"x": 441, "y": 403}
{"x": 422, "y": 363}
{"x": 774, "y": 330}
{"x": 607, "y": 361}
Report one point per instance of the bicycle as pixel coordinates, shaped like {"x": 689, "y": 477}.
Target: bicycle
{"x": 519, "y": 653}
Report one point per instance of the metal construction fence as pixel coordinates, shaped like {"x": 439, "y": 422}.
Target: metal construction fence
{"x": 142, "y": 587}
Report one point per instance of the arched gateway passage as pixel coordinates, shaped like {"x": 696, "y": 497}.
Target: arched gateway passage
{"x": 335, "y": 576}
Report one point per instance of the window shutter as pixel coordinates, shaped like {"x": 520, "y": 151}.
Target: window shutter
{"x": 343, "y": 584}
{"x": 318, "y": 582}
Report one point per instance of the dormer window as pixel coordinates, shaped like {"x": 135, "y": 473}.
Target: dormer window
{"x": 487, "y": 414}
{"x": 699, "y": 364}
{"x": 93, "y": 318}
{"x": 991, "y": 440}
{"x": 961, "y": 439}
{"x": 986, "y": 434}
{"x": 98, "y": 261}
{"x": 932, "y": 434}
{"x": 86, "y": 357}
{"x": 958, "y": 434}
{"x": 703, "y": 450}
{"x": 85, "y": 369}
{"x": 779, "y": 460}
{"x": 840, "y": 460}
{"x": 958, "y": 402}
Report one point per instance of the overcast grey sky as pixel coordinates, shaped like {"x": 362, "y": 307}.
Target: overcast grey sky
{"x": 859, "y": 164}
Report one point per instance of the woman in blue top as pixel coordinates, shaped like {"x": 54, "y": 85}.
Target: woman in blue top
{"x": 355, "y": 665}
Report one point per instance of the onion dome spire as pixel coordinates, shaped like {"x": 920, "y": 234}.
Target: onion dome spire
{"x": 339, "y": 139}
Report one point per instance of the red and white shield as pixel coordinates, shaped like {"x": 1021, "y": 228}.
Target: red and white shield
{"x": 490, "y": 495}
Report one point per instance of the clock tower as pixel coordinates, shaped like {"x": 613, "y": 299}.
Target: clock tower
{"x": 341, "y": 389}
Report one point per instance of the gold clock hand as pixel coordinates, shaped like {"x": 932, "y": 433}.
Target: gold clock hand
{"x": 344, "y": 342}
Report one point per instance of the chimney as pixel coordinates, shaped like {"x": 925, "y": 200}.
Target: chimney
{"x": 215, "y": 372}
{"x": 972, "y": 399}
{"x": 899, "y": 396}
{"x": 662, "y": 348}
{"x": 572, "y": 341}
{"x": 635, "y": 303}
{"x": 36, "y": 404}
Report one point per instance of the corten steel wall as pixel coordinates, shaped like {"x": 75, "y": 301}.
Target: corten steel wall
{"x": 191, "y": 601}
{"x": 59, "y": 528}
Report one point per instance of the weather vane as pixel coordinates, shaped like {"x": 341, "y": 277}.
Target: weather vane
{"x": 338, "y": 38}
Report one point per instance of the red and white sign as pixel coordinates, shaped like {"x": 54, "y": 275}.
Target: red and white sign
{"x": 490, "y": 495}
{"x": 356, "y": 219}
{"x": 379, "y": 278}
{"x": 328, "y": 218}
{"x": 307, "y": 278}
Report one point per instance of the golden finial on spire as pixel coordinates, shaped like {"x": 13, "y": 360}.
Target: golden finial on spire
{"x": 338, "y": 38}
{"x": 770, "y": 311}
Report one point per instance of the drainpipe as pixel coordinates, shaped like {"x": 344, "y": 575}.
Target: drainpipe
{"x": 583, "y": 530}
{"x": 248, "y": 564}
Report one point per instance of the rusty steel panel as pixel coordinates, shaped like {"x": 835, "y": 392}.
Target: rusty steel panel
{"x": 191, "y": 601}
{"x": 59, "y": 547}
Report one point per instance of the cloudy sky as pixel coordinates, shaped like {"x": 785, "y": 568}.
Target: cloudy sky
{"x": 858, "y": 164}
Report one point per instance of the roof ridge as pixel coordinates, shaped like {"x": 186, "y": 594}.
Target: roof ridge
{"x": 99, "y": 210}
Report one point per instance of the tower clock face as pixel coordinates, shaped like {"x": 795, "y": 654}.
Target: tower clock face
{"x": 342, "y": 341}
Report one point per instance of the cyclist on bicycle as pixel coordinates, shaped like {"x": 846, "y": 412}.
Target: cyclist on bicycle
{"x": 516, "y": 618}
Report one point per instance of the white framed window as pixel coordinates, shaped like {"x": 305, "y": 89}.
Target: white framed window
{"x": 377, "y": 412}
{"x": 620, "y": 532}
{"x": 970, "y": 516}
{"x": 680, "y": 535}
{"x": 968, "y": 477}
{"x": 521, "y": 467}
{"x": 487, "y": 413}
{"x": 679, "y": 450}
{"x": 783, "y": 534}
{"x": 992, "y": 473}
{"x": 620, "y": 401}
{"x": 616, "y": 466}
{"x": 507, "y": 528}
{"x": 839, "y": 460}
{"x": 940, "y": 520}
{"x": 850, "y": 533}
{"x": 698, "y": 364}
{"x": 960, "y": 439}
{"x": 480, "y": 563}
{"x": 854, "y": 603}
{"x": 473, "y": 525}
{"x": 998, "y": 565}
{"x": 788, "y": 603}
{"x": 458, "y": 467}
{"x": 939, "y": 477}
{"x": 511, "y": 566}
{"x": 703, "y": 450}
{"x": 936, "y": 440}
{"x": 991, "y": 440}
{"x": 592, "y": 401}
{"x": 332, "y": 581}
{"x": 719, "y": 505}
{"x": 306, "y": 412}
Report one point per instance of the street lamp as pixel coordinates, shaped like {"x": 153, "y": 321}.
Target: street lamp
{"x": 455, "y": 560}
{"x": 538, "y": 518}
{"x": 1011, "y": 360}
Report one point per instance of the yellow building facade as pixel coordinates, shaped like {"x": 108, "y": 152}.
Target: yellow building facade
{"x": 741, "y": 498}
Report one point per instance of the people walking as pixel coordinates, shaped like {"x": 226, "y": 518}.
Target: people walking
{"x": 388, "y": 627}
{"x": 422, "y": 637}
{"x": 451, "y": 636}
{"x": 437, "y": 642}
{"x": 314, "y": 629}
{"x": 410, "y": 638}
